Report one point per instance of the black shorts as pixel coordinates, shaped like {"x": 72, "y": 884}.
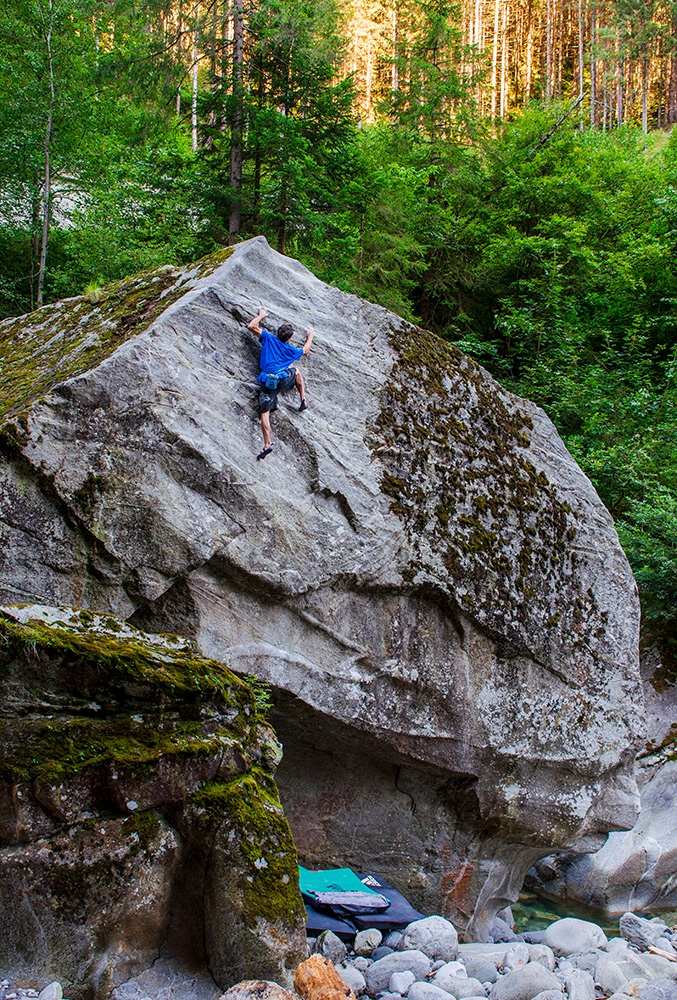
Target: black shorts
{"x": 268, "y": 397}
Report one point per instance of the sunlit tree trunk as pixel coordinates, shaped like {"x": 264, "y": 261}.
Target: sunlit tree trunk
{"x": 580, "y": 55}
{"x": 494, "y": 61}
{"x": 194, "y": 78}
{"x": 395, "y": 26}
{"x": 620, "y": 102}
{"x": 672, "y": 95}
{"x": 548, "y": 49}
{"x": 504, "y": 62}
{"x": 594, "y": 117}
{"x": 47, "y": 181}
{"x": 645, "y": 94}
{"x": 236, "y": 123}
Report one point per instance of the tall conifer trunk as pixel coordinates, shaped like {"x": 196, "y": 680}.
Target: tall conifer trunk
{"x": 47, "y": 180}
{"x": 236, "y": 124}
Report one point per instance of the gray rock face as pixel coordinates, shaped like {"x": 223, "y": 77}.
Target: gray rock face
{"x": 419, "y": 569}
{"x": 633, "y": 870}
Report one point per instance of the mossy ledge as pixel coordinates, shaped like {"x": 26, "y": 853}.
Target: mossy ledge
{"x": 67, "y": 338}
{"x": 251, "y": 802}
{"x": 125, "y": 757}
{"x": 90, "y": 691}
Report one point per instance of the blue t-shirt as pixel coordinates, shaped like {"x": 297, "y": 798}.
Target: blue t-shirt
{"x": 276, "y": 356}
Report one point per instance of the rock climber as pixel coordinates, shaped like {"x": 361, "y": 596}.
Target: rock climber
{"x": 276, "y": 375}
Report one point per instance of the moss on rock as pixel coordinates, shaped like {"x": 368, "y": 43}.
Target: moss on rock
{"x": 457, "y": 470}
{"x": 252, "y": 806}
{"x": 67, "y": 338}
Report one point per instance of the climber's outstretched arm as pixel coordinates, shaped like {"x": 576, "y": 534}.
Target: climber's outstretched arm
{"x": 255, "y": 324}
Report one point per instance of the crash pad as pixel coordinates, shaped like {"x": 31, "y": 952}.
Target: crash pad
{"x": 399, "y": 913}
{"x": 330, "y": 880}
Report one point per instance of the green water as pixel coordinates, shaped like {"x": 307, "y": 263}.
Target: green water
{"x": 535, "y": 913}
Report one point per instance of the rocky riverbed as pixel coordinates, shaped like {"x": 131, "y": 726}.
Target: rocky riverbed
{"x": 570, "y": 960}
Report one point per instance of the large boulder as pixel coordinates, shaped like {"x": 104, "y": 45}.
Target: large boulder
{"x": 139, "y": 815}
{"x": 420, "y": 569}
{"x": 634, "y": 870}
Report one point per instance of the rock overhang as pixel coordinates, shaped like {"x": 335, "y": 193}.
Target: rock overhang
{"x": 420, "y": 559}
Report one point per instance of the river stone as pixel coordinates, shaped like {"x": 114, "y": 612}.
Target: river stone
{"x": 515, "y": 957}
{"x": 586, "y": 961}
{"x": 479, "y": 967}
{"x": 460, "y": 987}
{"x": 501, "y": 931}
{"x": 381, "y": 952}
{"x": 525, "y": 983}
{"x": 571, "y": 936}
{"x": 378, "y": 975}
{"x": 549, "y": 995}
{"x": 415, "y": 497}
{"x": 447, "y": 970}
{"x": 366, "y": 941}
{"x": 401, "y": 981}
{"x": 541, "y": 953}
{"x": 54, "y": 991}
{"x": 643, "y": 933}
{"x": 426, "y": 991}
{"x": 256, "y": 989}
{"x": 658, "y": 989}
{"x": 580, "y": 985}
{"x": 330, "y": 947}
{"x": 434, "y": 936}
{"x": 353, "y": 978}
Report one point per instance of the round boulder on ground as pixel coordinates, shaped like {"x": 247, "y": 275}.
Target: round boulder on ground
{"x": 401, "y": 981}
{"x": 644, "y": 933}
{"x": 571, "y": 936}
{"x": 460, "y": 987}
{"x": 426, "y": 991}
{"x": 434, "y": 936}
{"x": 378, "y": 975}
{"x": 331, "y": 947}
{"x": 367, "y": 941}
{"x": 516, "y": 956}
{"x": 525, "y": 983}
{"x": 580, "y": 985}
{"x": 541, "y": 953}
{"x": 353, "y": 978}
{"x": 257, "y": 989}
{"x": 481, "y": 967}
{"x": 658, "y": 989}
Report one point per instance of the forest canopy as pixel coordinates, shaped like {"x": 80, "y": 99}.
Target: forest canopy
{"x": 501, "y": 172}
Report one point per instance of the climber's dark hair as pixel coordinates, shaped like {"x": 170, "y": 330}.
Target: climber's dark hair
{"x": 285, "y": 332}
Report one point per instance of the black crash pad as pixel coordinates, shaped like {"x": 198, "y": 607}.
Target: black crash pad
{"x": 316, "y": 922}
{"x": 399, "y": 913}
